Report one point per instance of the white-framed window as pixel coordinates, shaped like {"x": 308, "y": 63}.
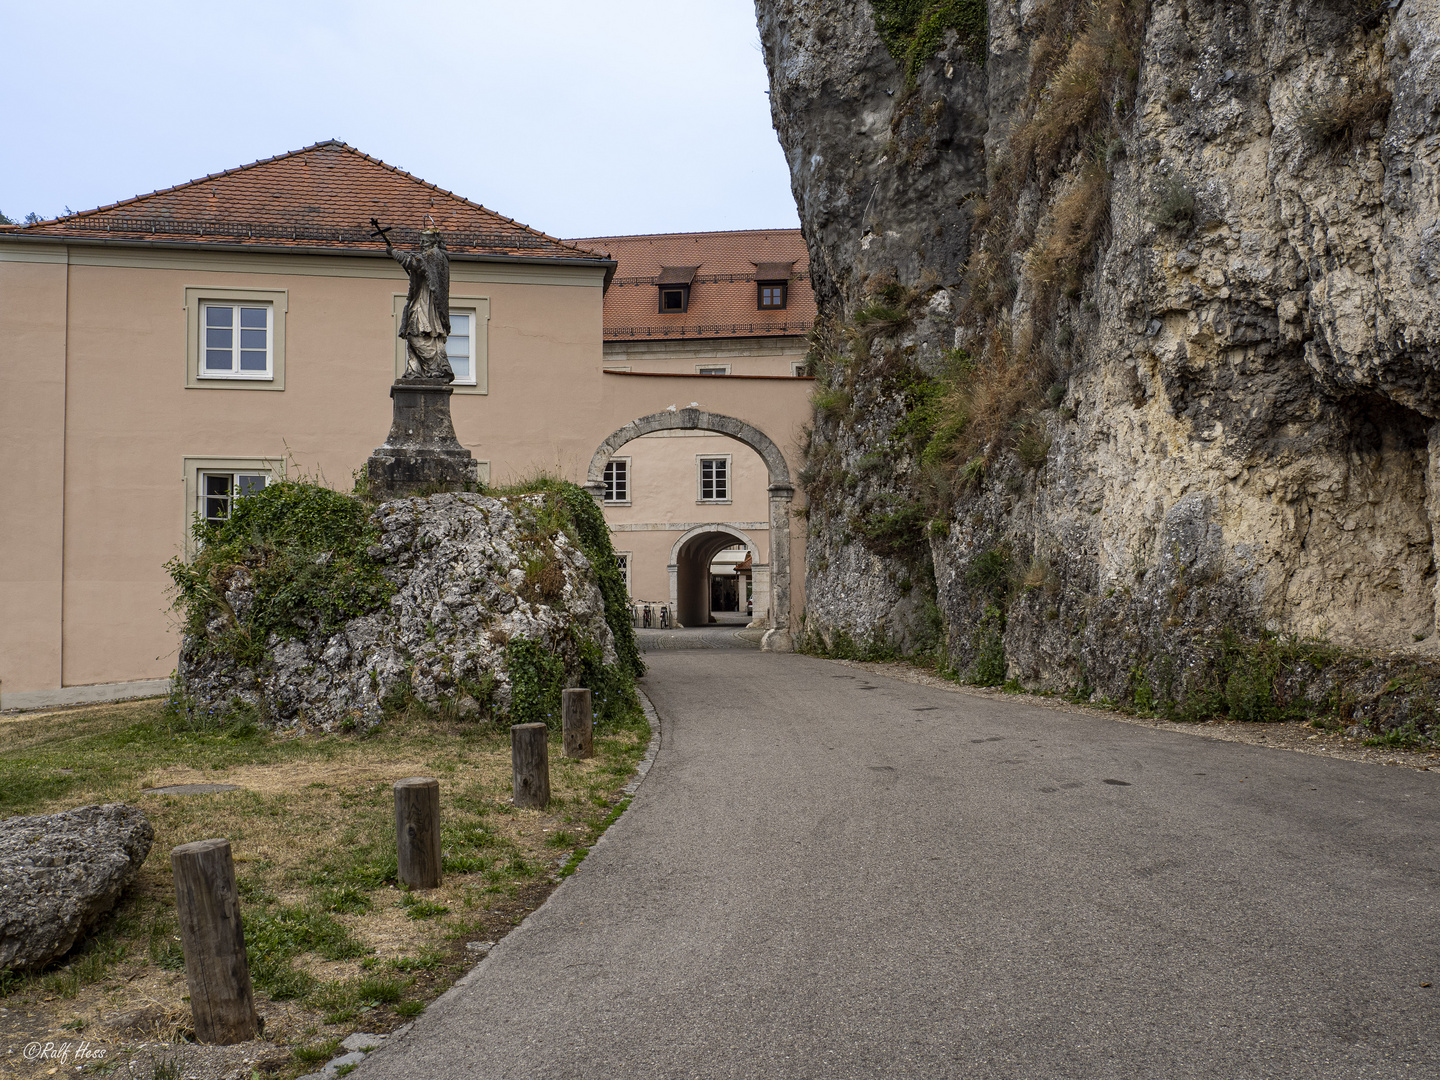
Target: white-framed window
{"x": 219, "y": 492}
{"x": 213, "y": 485}
{"x": 712, "y": 369}
{"x": 714, "y": 478}
{"x": 801, "y": 369}
{"x": 622, "y": 563}
{"x": 467, "y": 346}
{"x": 460, "y": 347}
{"x": 617, "y": 481}
{"x": 238, "y": 340}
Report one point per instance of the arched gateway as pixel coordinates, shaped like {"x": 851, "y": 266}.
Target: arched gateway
{"x": 782, "y": 492}
{"x": 690, "y": 559}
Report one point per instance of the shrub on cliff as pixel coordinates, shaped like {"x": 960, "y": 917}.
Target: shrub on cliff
{"x": 301, "y": 550}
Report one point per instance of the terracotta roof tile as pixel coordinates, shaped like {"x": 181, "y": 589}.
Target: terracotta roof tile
{"x": 317, "y": 198}
{"x": 723, "y": 300}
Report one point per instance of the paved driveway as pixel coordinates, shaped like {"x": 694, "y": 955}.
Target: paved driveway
{"x": 832, "y": 874}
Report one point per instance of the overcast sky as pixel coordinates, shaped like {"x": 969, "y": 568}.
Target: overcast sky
{"x": 578, "y": 117}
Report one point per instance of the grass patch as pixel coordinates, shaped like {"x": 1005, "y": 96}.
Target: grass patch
{"x": 312, "y": 832}
{"x": 416, "y": 907}
{"x": 1172, "y": 206}
{"x": 317, "y": 1053}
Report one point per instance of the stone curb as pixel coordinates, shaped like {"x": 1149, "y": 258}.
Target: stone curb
{"x": 643, "y": 769}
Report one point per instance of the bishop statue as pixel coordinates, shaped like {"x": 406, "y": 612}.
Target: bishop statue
{"x": 425, "y": 322}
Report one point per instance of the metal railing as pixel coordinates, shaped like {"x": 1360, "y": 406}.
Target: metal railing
{"x": 635, "y": 333}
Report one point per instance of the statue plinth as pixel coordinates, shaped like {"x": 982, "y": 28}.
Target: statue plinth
{"x": 421, "y": 451}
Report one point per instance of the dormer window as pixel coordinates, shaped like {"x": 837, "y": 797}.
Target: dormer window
{"x": 674, "y": 283}
{"x": 772, "y": 284}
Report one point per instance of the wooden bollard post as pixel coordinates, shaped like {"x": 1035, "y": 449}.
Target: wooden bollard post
{"x": 417, "y": 831}
{"x": 579, "y": 723}
{"x": 216, "y": 967}
{"x": 530, "y": 761}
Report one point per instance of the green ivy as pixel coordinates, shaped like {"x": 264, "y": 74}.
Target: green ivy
{"x": 593, "y": 536}
{"x": 894, "y": 528}
{"x": 305, "y": 549}
{"x": 988, "y": 640}
{"x": 992, "y": 572}
{"x": 536, "y": 678}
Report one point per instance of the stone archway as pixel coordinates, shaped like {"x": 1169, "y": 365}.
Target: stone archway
{"x": 690, "y": 559}
{"x": 782, "y": 491}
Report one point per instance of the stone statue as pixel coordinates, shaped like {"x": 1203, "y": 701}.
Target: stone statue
{"x": 425, "y": 322}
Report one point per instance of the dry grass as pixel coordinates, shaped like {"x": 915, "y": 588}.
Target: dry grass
{"x": 312, "y": 832}
{"x": 1346, "y": 122}
{"x": 1060, "y": 258}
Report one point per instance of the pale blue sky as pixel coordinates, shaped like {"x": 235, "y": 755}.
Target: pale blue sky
{"x": 579, "y": 117}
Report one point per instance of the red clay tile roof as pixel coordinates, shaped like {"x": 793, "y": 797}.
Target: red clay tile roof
{"x": 321, "y": 197}
{"x": 723, "y": 300}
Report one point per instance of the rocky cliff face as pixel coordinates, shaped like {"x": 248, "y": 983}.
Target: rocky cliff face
{"x": 1131, "y": 322}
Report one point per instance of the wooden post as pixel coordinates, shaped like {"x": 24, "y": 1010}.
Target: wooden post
{"x": 417, "y": 831}
{"x": 579, "y": 723}
{"x": 530, "y": 761}
{"x": 216, "y": 967}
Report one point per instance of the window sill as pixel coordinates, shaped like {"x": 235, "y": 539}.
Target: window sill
{"x": 609, "y": 502}
{"x": 714, "y": 502}
{"x": 236, "y": 382}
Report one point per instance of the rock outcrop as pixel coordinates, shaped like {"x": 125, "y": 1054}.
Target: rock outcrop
{"x": 1172, "y": 275}
{"x": 59, "y": 873}
{"x": 474, "y": 577}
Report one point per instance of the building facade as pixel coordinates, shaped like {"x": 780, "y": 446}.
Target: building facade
{"x": 162, "y": 356}
{"x": 688, "y": 506}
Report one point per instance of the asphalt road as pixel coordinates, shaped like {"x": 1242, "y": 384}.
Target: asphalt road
{"x": 831, "y": 874}
{"x": 731, "y": 632}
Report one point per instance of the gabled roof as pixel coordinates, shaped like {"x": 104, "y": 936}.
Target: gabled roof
{"x": 722, "y": 302}
{"x": 318, "y": 198}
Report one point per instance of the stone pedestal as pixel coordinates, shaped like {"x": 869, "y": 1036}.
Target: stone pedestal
{"x": 422, "y": 452}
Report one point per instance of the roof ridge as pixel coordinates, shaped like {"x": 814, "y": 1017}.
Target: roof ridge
{"x": 468, "y": 202}
{"x": 338, "y": 144}
{"x": 703, "y": 232}
{"x": 194, "y": 182}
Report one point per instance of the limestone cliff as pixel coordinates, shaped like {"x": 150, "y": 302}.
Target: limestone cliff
{"x": 1129, "y": 328}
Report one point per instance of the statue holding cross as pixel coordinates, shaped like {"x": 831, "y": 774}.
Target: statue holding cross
{"x": 425, "y": 322}
{"x": 421, "y": 453}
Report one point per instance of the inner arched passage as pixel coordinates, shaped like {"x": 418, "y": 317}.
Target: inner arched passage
{"x": 781, "y": 493}
{"x": 691, "y": 557}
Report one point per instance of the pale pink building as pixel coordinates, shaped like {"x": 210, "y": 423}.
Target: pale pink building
{"x": 163, "y": 355}
{"x": 686, "y": 507}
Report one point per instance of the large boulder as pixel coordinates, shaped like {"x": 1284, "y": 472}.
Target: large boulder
{"x": 59, "y": 873}
{"x": 473, "y": 577}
